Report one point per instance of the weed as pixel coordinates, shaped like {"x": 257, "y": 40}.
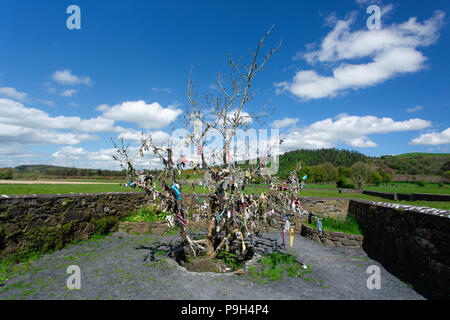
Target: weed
{"x": 149, "y": 213}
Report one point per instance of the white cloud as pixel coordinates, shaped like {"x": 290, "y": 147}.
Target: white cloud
{"x": 148, "y": 116}
{"x": 66, "y": 77}
{"x": 156, "y": 89}
{"x": 13, "y": 93}
{"x": 286, "y": 122}
{"x": 351, "y": 130}
{"x": 393, "y": 51}
{"x": 19, "y": 134}
{"x": 416, "y": 108}
{"x": 15, "y": 150}
{"x": 68, "y": 93}
{"x": 432, "y": 139}
{"x": 15, "y": 113}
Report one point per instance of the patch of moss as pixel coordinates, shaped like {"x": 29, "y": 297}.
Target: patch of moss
{"x": 42, "y": 240}
{"x": 105, "y": 225}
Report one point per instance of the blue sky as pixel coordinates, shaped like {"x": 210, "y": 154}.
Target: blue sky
{"x": 333, "y": 83}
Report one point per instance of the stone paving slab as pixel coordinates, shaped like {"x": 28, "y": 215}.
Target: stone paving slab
{"x": 123, "y": 266}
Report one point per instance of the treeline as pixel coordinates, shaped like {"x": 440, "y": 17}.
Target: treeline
{"x": 344, "y": 158}
{"x": 358, "y": 175}
{"x": 416, "y": 164}
{"x": 48, "y": 171}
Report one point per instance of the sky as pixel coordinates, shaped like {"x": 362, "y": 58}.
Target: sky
{"x": 335, "y": 82}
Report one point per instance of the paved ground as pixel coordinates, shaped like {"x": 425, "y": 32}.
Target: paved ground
{"x": 125, "y": 266}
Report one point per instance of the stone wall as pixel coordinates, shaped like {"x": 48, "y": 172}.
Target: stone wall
{"x": 332, "y": 207}
{"x": 333, "y": 239}
{"x": 411, "y": 244}
{"x": 44, "y": 222}
{"x": 409, "y": 197}
{"x": 39, "y": 223}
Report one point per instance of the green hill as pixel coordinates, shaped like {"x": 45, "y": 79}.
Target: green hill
{"x": 345, "y": 158}
{"x": 42, "y": 171}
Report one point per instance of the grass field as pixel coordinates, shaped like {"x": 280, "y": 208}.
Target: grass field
{"x": 412, "y": 188}
{"x": 60, "y": 188}
{"x": 8, "y": 189}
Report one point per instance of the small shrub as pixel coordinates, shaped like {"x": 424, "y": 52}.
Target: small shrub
{"x": 230, "y": 260}
{"x": 343, "y": 182}
{"x": 376, "y": 178}
{"x": 146, "y": 214}
{"x": 421, "y": 183}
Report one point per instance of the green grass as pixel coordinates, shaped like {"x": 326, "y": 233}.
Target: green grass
{"x": 411, "y": 188}
{"x": 146, "y": 214}
{"x": 230, "y": 260}
{"x": 419, "y": 154}
{"x": 398, "y": 187}
{"x": 61, "y": 188}
{"x": 347, "y": 225}
{"x": 65, "y": 189}
{"x": 276, "y": 265}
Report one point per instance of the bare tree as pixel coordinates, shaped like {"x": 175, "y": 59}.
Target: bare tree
{"x": 223, "y": 112}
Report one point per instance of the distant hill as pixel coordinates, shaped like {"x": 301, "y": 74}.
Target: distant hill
{"x": 50, "y": 171}
{"x": 436, "y": 164}
{"x": 345, "y": 158}
{"x": 402, "y": 167}
{"x": 421, "y": 154}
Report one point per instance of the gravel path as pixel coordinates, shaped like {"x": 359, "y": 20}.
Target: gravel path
{"x": 124, "y": 266}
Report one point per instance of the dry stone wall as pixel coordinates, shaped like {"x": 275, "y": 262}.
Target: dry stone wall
{"x": 409, "y": 241}
{"x": 44, "y": 222}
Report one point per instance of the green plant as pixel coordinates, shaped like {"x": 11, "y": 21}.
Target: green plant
{"x": 146, "y": 214}
{"x": 343, "y": 182}
{"x": 273, "y": 266}
{"x": 230, "y": 260}
{"x": 376, "y": 178}
{"x": 421, "y": 183}
{"x": 105, "y": 225}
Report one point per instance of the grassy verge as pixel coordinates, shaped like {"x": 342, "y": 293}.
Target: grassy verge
{"x": 347, "y": 225}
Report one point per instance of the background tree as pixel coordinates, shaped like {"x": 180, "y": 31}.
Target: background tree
{"x": 360, "y": 174}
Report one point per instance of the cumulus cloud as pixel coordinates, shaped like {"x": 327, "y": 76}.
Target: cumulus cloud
{"x": 286, "y": 122}
{"x": 416, "y": 108}
{"x": 393, "y": 51}
{"x": 15, "y": 113}
{"x": 68, "y": 93}
{"x": 19, "y": 123}
{"x": 66, "y": 77}
{"x": 156, "y": 89}
{"x": 13, "y": 93}
{"x": 20, "y": 134}
{"x": 433, "y": 138}
{"x": 73, "y": 153}
{"x": 148, "y": 116}
{"x": 351, "y": 130}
